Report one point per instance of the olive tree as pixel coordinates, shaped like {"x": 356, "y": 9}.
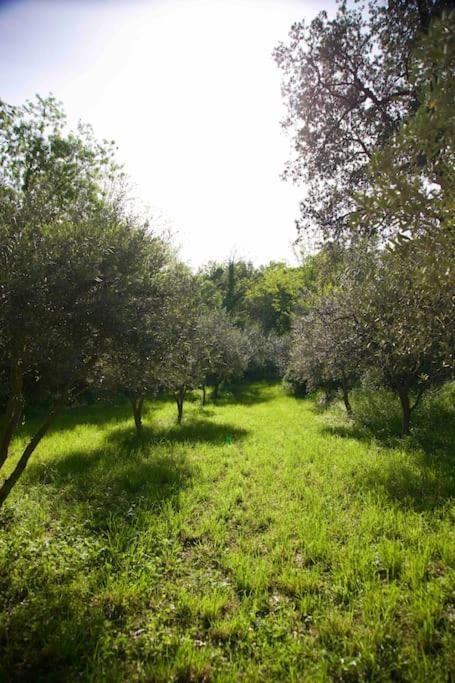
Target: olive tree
{"x": 184, "y": 361}
{"x": 412, "y": 177}
{"x": 405, "y": 295}
{"x": 326, "y": 348}
{"x": 371, "y": 109}
{"x": 69, "y": 258}
{"x": 267, "y": 353}
{"x": 406, "y": 327}
{"x": 348, "y": 85}
{"x": 132, "y": 364}
{"x": 224, "y": 349}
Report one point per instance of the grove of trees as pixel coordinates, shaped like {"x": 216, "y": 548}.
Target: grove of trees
{"x": 370, "y": 96}
{"x": 93, "y": 296}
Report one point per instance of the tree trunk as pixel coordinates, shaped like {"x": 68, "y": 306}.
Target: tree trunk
{"x": 137, "y": 404}
{"x": 9, "y": 483}
{"x": 216, "y": 391}
{"x": 347, "y": 404}
{"x": 327, "y": 396}
{"x": 204, "y": 395}
{"x": 13, "y": 410}
{"x": 403, "y": 393}
{"x": 179, "y": 398}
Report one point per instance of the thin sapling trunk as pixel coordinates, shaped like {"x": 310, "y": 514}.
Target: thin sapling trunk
{"x": 216, "y": 391}
{"x": 406, "y": 408}
{"x": 137, "y": 405}
{"x": 403, "y": 393}
{"x": 9, "y": 483}
{"x": 13, "y": 410}
{"x": 347, "y": 404}
{"x": 179, "y": 398}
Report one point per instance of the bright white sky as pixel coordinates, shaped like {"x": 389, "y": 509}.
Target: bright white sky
{"x": 191, "y": 94}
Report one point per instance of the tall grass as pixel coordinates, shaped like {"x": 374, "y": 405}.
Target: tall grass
{"x": 259, "y": 540}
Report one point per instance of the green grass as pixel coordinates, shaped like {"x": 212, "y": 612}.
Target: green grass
{"x": 262, "y": 539}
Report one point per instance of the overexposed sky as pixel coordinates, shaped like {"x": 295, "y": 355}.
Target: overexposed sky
{"x": 189, "y": 91}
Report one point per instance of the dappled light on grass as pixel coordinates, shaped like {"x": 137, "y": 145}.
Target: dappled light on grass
{"x": 413, "y": 483}
{"x": 190, "y": 432}
{"x": 127, "y": 470}
{"x": 245, "y": 394}
{"x": 377, "y": 419}
{"x": 417, "y": 472}
{"x": 267, "y": 541}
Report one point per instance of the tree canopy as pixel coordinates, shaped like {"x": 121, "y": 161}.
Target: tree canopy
{"x": 348, "y": 83}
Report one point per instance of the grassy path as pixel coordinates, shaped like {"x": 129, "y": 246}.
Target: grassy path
{"x": 260, "y": 540}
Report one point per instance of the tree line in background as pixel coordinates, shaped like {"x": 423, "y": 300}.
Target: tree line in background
{"x": 92, "y": 296}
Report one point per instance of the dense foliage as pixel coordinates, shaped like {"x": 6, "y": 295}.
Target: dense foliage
{"x": 349, "y": 83}
{"x": 94, "y": 300}
{"x": 72, "y": 264}
{"x": 371, "y": 97}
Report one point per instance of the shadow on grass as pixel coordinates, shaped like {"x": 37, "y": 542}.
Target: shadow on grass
{"x": 206, "y": 412}
{"x": 192, "y": 431}
{"x": 99, "y": 414}
{"x": 435, "y": 437}
{"x": 245, "y": 394}
{"x": 108, "y": 498}
{"x": 126, "y": 468}
{"x": 425, "y": 478}
{"x": 103, "y": 413}
{"x": 113, "y": 482}
{"x": 115, "y": 490}
{"x": 420, "y": 485}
